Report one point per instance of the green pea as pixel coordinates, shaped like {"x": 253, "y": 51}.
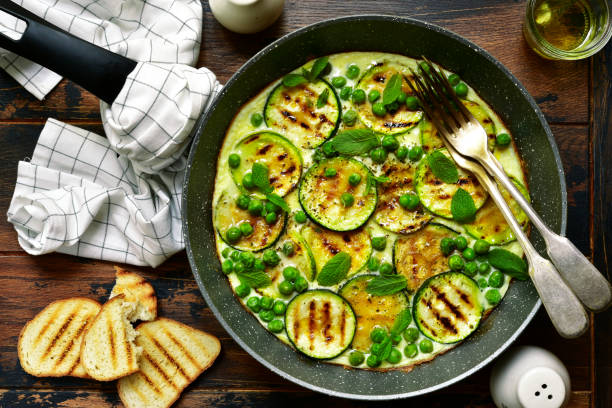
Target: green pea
{"x": 481, "y": 247}
{"x": 415, "y": 153}
{"x": 243, "y": 201}
{"x": 386, "y": 268}
{"x": 503, "y": 139}
{"x": 454, "y": 79}
{"x": 401, "y": 98}
{"x": 300, "y": 217}
{"x": 233, "y": 235}
{"x": 247, "y": 259}
{"x": 373, "y": 264}
{"x": 266, "y": 302}
{"x": 239, "y": 267}
{"x": 246, "y": 228}
{"x": 270, "y": 257}
{"x": 379, "y": 109}
{"x": 291, "y": 273}
{"x": 426, "y": 346}
{"x": 354, "y": 179}
{"x": 392, "y": 107}
{"x": 226, "y": 252}
{"x": 271, "y": 218}
{"x": 288, "y": 248}
{"x": 255, "y": 207}
{"x": 259, "y": 265}
{"x": 328, "y": 150}
{"x": 227, "y": 266}
{"x": 276, "y": 326}
{"x": 266, "y": 315}
{"x": 233, "y": 160}
{"x": 253, "y": 304}
{"x": 493, "y": 296}
{"x": 455, "y": 262}
{"x": 460, "y": 243}
{"x": 411, "y": 334}
{"x": 330, "y": 172}
{"x": 390, "y": 143}
{"x": 447, "y": 245}
{"x": 372, "y": 361}
{"x": 356, "y": 358}
{"x": 409, "y": 201}
{"x": 378, "y": 155}
{"x": 285, "y": 288}
{"x": 345, "y": 93}
{"x": 301, "y": 284}
{"x": 395, "y": 356}
{"x": 235, "y": 256}
{"x": 496, "y": 279}
{"x": 247, "y": 181}
{"x": 352, "y": 71}
{"x": 373, "y": 96}
{"x": 412, "y": 103}
{"x": 470, "y": 268}
{"x": 411, "y": 350}
{"x": 484, "y": 268}
{"x": 347, "y": 199}
{"x": 358, "y": 96}
{"x": 401, "y": 153}
{"x": 378, "y": 335}
{"x": 256, "y": 119}
{"x": 338, "y": 82}
{"x": 424, "y": 66}
{"x": 469, "y": 254}
{"x": 279, "y": 308}
{"x": 483, "y": 283}
{"x": 243, "y": 290}
{"x": 376, "y": 348}
{"x": 461, "y": 90}
{"x": 379, "y": 243}
{"x": 396, "y": 338}
{"x": 349, "y": 117}
{"x": 271, "y": 207}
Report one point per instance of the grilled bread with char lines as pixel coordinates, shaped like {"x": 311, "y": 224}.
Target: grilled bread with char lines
{"x": 136, "y": 290}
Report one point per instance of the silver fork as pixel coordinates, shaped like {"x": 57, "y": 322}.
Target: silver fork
{"x": 457, "y": 125}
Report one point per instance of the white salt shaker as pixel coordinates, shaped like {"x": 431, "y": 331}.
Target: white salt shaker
{"x": 246, "y": 16}
{"x": 530, "y": 377}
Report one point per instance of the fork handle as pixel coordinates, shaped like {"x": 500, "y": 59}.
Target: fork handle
{"x": 591, "y": 287}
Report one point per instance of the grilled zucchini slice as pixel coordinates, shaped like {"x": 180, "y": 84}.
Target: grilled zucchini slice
{"x": 371, "y": 310}
{"x": 324, "y": 244}
{"x": 283, "y": 160}
{"x": 376, "y": 78}
{"x": 320, "y": 324}
{"x": 301, "y": 259}
{"x": 436, "y": 196}
{"x": 320, "y": 195}
{"x": 228, "y": 214}
{"x": 293, "y": 112}
{"x": 430, "y": 140}
{"x": 447, "y": 307}
{"x": 389, "y": 213}
{"x": 418, "y": 256}
{"x": 490, "y": 224}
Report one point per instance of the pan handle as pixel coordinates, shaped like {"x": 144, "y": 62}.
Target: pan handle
{"x": 101, "y": 72}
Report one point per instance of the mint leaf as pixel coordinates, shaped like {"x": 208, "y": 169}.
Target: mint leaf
{"x": 355, "y": 142}
{"x": 305, "y": 73}
{"x": 317, "y": 68}
{"x": 385, "y": 348}
{"x": 278, "y": 201}
{"x": 373, "y": 180}
{"x": 322, "y": 99}
{"x": 335, "y": 269}
{"x": 255, "y": 279}
{"x": 443, "y": 167}
{"x": 260, "y": 177}
{"x": 386, "y": 285}
{"x": 508, "y": 263}
{"x": 401, "y": 322}
{"x": 462, "y": 206}
{"x": 393, "y": 89}
{"x": 291, "y": 80}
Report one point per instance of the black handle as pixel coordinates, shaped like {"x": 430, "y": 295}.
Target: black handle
{"x": 96, "y": 69}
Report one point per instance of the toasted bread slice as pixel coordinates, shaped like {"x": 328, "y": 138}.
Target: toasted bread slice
{"x": 173, "y": 355}
{"x": 108, "y": 351}
{"x": 136, "y": 290}
{"x": 49, "y": 345}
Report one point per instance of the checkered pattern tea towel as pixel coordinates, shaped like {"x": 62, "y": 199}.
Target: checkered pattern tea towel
{"x": 160, "y": 31}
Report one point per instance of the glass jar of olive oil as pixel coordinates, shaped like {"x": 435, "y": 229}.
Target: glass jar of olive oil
{"x": 567, "y": 29}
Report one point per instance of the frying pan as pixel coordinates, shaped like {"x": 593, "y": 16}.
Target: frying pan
{"x": 358, "y": 33}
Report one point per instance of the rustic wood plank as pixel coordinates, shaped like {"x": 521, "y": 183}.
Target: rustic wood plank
{"x": 252, "y": 399}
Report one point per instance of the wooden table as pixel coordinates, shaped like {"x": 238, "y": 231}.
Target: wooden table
{"x": 574, "y": 96}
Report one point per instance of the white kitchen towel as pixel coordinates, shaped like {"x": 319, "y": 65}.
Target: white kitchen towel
{"x": 86, "y": 195}
{"x": 160, "y": 31}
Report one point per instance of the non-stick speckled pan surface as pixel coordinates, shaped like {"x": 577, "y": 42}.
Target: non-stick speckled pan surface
{"x": 395, "y": 35}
